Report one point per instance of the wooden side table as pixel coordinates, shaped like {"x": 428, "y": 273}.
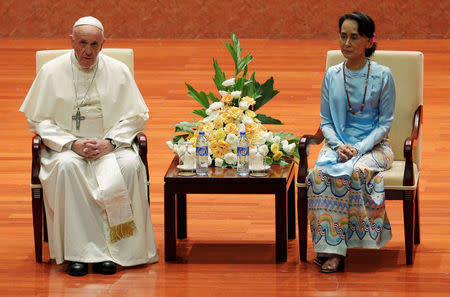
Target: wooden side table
{"x": 279, "y": 181}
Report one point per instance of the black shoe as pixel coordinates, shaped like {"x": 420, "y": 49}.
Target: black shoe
{"x": 107, "y": 267}
{"x": 77, "y": 268}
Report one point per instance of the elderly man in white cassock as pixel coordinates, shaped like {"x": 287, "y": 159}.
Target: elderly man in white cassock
{"x": 87, "y": 109}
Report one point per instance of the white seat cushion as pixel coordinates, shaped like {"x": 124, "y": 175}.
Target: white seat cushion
{"x": 393, "y": 178}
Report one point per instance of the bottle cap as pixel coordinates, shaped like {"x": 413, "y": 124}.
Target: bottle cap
{"x": 242, "y": 132}
{"x": 201, "y": 133}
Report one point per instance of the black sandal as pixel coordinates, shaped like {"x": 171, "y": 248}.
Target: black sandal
{"x": 320, "y": 260}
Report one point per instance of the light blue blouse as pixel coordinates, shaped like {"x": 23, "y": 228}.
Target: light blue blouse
{"x": 363, "y": 131}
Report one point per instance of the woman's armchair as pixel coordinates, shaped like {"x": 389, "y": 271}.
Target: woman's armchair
{"x": 402, "y": 179}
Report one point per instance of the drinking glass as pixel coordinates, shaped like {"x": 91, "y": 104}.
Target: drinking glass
{"x": 186, "y": 163}
{"x": 258, "y": 165}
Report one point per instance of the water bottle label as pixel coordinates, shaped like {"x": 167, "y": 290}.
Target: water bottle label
{"x": 242, "y": 150}
{"x": 201, "y": 150}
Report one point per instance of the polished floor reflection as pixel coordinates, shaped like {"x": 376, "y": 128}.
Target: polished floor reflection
{"x": 230, "y": 248}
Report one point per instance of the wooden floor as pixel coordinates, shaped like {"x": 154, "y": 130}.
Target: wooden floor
{"x": 230, "y": 245}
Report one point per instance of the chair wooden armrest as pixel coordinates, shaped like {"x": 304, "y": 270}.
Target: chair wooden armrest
{"x": 303, "y": 150}
{"x": 36, "y": 145}
{"x": 141, "y": 140}
{"x": 408, "y": 148}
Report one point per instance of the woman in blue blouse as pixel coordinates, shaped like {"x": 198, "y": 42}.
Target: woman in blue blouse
{"x": 345, "y": 191}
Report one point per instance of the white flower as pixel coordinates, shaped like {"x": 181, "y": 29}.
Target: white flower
{"x": 209, "y": 160}
{"x": 211, "y": 117}
{"x": 268, "y": 136}
{"x": 264, "y": 149}
{"x": 243, "y": 105}
{"x": 228, "y": 82}
{"x": 247, "y": 120}
{"x": 232, "y": 139}
{"x": 284, "y": 142}
{"x": 289, "y": 149}
{"x": 218, "y": 162}
{"x": 241, "y": 127}
{"x": 216, "y": 105}
{"x": 170, "y": 144}
{"x": 230, "y": 158}
{"x": 223, "y": 93}
{"x": 276, "y": 139}
{"x": 236, "y": 94}
{"x": 181, "y": 141}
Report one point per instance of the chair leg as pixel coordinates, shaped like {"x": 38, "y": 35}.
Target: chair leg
{"x": 408, "y": 217}
{"x": 302, "y": 209}
{"x": 291, "y": 211}
{"x": 36, "y": 198}
{"x": 417, "y": 219}
{"x": 44, "y": 220}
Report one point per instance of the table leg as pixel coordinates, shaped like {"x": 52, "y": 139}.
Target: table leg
{"x": 170, "y": 242}
{"x": 281, "y": 224}
{"x": 181, "y": 216}
{"x": 291, "y": 210}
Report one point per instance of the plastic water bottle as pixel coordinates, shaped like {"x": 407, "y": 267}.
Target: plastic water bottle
{"x": 201, "y": 151}
{"x": 243, "y": 151}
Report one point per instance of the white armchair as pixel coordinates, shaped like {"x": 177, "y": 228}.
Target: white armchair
{"x": 402, "y": 180}
{"x": 127, "y": 57}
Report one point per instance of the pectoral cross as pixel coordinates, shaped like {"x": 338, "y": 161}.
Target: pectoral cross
{"x": 78, "y": 118}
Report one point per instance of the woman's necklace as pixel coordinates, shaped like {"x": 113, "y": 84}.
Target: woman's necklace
{"x": 78, "y": 117}
{"x": 365, "y": 90}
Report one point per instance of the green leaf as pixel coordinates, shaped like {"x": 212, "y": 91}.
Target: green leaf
{"x": 267, "y": 93}
{"x": 249, "y": 87}
{"x": 213, "y": 97}
{"x": 199, "y": 97}
{"x": 232, "y": 52}
{"x": 200, "y": 112}
{"x": 219, "y": 77}
{"x": 236, "y": 44}
{"x": 287, "y": 135}
{"x": 184, "y": 126}
{"x": 268, "y": 120}
{"x": 283, "y": 162}
{"x": 242, "y": 63}
{"x": 177, "y": 138}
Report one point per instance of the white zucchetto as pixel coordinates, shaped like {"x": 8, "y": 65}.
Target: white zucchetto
{"x": 89, "y": 20}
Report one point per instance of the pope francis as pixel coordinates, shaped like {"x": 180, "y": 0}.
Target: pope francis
{"x": 87, "y": 109}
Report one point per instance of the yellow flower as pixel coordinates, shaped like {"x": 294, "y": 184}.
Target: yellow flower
{"x": 277, "y": 155}
{"x": 218, "y": 122}
{"x": 253, "y": 137}
{"x": 275, "y": 147}
{"x": 249, "y": 100}
{"x": 233, "y": 113}
{"x": 193, "y": 140}
{"x": 218, "y": 135}
{"x": 231, "y": 128}
{"x": 227, "y": 98}
{"x": 250, "y": 113}
{"x": 220, "y": 148}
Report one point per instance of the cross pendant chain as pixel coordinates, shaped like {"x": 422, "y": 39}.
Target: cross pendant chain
{"x": 78, "y": 118}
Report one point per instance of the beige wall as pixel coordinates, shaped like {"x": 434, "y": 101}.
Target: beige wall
{"x": 260, "y": 19}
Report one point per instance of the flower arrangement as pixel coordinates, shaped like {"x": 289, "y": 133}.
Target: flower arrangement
{"x": 234, "y": 111}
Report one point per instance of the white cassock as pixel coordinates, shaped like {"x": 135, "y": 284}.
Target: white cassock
{"x": 96, "y": 210}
